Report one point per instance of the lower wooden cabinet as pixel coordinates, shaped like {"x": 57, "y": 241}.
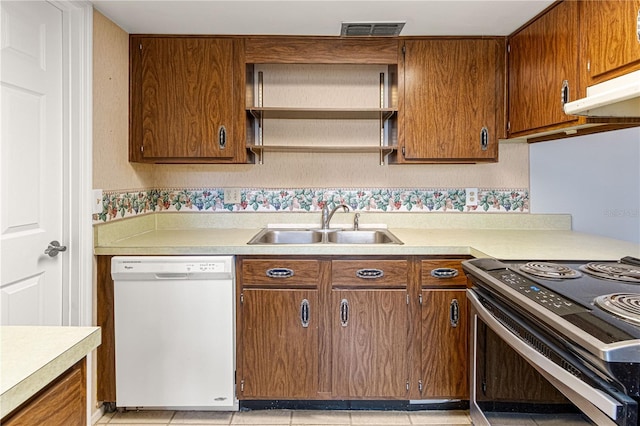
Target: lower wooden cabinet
{"x": 279, "y": 323}
{"x": 369, "y": 354}
{"x": 444, "y": 363}
{"x": 279, "y": 344}
{"x": 351, "y": 328}
{"x": 62, "y": 403}
{"x": 444, "y": 328}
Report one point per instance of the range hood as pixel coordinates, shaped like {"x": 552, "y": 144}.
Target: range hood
{"x": 618, "y": 97}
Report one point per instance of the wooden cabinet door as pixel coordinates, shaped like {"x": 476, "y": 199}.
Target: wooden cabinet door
{"x": 63, "y": 402}
{"x": 186, "y": 92}
{"x": 279, "y": 353}
{"x": 543, "y": 57}
{"x": 611, "y": 39}
{"x": 370, "y": 330}
{"x": 453, "y": 89}
{"x": 445, "y": 354}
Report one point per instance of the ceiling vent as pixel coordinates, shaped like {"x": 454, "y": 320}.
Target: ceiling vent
{"x": 378, "y": 29}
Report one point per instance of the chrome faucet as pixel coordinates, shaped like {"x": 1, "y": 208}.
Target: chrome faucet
{"x": 326, "y": 215}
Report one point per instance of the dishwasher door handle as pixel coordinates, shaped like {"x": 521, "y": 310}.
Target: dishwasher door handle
{"x": 171, "y": 276}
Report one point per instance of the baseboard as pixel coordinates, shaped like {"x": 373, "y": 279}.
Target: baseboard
{"x": 383, "y": 405}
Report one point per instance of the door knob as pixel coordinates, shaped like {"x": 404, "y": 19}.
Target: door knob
{"x": 54, "y": 248}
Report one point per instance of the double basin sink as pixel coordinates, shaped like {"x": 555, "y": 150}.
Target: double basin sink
{"x": 324, "y": 236}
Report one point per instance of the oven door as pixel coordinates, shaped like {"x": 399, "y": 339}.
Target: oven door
{"x": 515, "y": 379}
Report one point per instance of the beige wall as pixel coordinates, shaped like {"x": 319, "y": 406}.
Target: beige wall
{"x": 111, "y": 169}
{"x": 292, "y": 170}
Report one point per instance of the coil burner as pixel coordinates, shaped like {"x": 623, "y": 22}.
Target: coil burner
{"x": 613, "y": 271}
{"x": 549, "y": 270}
{"x": 624, "y": 305}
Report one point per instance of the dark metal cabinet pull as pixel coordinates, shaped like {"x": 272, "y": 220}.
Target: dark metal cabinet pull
{"x": 443, "y": 273}
{"x": 280, "y": 273}
{"x": 222, "y": 137}
{"x": 564, "y": 94}
{"x": 484, "y": 138}
{"x": 454, "y": 313}
{"x": 369, "y": 274}
{"x": 304, "y": 313}
{"x": 344, "y": 312}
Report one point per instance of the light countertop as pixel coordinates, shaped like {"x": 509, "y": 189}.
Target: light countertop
{"x": 33, "y": 356}
{"x": 503, "y": 236}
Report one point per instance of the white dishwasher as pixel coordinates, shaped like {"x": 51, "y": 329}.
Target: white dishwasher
{"x": 174, "y": 332}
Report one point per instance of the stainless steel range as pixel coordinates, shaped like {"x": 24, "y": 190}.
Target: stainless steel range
{"x": 555, "y": 340}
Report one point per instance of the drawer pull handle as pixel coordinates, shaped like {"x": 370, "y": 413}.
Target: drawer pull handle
{"x": 444, "y": 273}
{"x": 454, "y": 313}
{"x": 344, "y": 312}
{"x": 280, "y": 273}
{"x": 304, "y": 313}
{"x": 369, "y": 274}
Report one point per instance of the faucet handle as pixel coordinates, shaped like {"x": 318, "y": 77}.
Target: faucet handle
{"x": 356, "y": 221}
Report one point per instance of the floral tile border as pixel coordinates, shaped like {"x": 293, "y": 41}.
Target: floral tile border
{"x": 118, "y": 205}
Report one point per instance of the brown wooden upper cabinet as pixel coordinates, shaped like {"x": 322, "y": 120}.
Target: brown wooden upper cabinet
{"x": 555, "y": 57}
{"x": 451, "y": 106}
{"x": 542, "y": 71}
{"x": 183, "y": 100}
{"x": 611, "y": 38}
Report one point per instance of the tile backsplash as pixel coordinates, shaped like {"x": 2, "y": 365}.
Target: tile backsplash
{"x": 118, "y": 205}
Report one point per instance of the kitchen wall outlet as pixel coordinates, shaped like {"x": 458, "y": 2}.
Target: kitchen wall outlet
{"x": 96, "y": 201}
{"x": 232, "y": 195}
{"x": 472, "y": 196}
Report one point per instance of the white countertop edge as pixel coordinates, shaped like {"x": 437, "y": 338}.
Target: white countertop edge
{"x": 39, "y": 376}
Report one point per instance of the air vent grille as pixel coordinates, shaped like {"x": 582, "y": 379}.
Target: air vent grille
{"x": 378, "y": 29}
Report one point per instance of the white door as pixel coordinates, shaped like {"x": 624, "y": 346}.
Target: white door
{"x": 31, "y": 193}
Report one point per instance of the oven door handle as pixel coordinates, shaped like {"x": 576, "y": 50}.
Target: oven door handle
{"x": 581, "y": 394}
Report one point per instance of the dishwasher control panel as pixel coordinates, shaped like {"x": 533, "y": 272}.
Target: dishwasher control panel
{"x": 206, "y": 267}
{"x": 167, "y": 267}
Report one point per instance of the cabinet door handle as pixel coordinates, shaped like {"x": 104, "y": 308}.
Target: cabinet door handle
{"x": 344, "y": 312}
{"x": 369, "y": 274}
{"x": 222, "y": 137}
{"x": 444, "y": 273}
{"x": 564, "y": 94}
{"x": 304, "y": 313}
{"x": 280, "y": 273}
{"x": 454, "y": 313}
{"x": 638, "y": 27}
{"x": 484, "y": 138}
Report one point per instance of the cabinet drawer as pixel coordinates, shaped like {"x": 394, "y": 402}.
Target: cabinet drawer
{"x": 369, "y": 273}
{"x": 280, "y": 273}
{"x": 445, "y": 268}
{"x": 432, "y": 268}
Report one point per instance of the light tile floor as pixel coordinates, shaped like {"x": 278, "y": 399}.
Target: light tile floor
{"x": 287, "y": 417}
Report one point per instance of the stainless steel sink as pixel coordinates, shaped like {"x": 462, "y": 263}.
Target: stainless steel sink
{"x": 363, "y": 236}
{"x": 326, "y": 236}
{"x": 287, "y": 236}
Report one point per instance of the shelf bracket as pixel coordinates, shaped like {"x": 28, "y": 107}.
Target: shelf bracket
{"x": 261, "y": 117}
{"x": 382, "y": 155}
